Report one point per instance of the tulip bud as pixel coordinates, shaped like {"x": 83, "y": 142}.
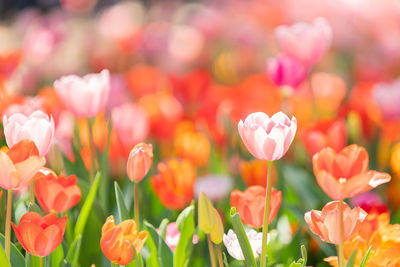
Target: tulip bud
{"x": 217, "y": 233}
{"x": 139, "y": 161}
{"x": 206, "y": 214}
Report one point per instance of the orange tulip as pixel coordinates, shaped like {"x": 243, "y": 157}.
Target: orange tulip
{"x": 56, "y": 193}
{"x": 250, "y": 204}
{"x": 326, "y": 224}
{"x": 325, "y": 133}
{"x": 193, "y": 146}
{"x": 117, "y": 240}
{"x": 139, "y": 162}
{"x": 40, "y": 235}
{"x": 8, "y": 63}
{"x": 19, "y": 165}
{"x": 255, "y": 172}
{"x": 174, "y": 184}
{"x": 345, "y": 174}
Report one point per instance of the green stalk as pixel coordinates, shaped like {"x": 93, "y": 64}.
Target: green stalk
{"x": 341, "y": 242}
{"x": 266, "y": 216}
{"x": 8, "y": 223}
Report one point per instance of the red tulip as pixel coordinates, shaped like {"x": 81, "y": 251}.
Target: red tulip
{"x": 250, "y": 204}
{"x": 40, "y": 235}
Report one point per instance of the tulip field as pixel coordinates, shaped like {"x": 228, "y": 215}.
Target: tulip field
{"x": 200, "y": 133}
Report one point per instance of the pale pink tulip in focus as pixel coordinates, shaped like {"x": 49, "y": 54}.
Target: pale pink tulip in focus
{"x": 284, "y": 70}
{"x": 37, "y": 127}
{"x": 131, "y": 124}
{"x": 307, "y": 42}
{"x": 84, "y": 96}
{"x": 326, "y": 223}
{"x": 267, "y": 138}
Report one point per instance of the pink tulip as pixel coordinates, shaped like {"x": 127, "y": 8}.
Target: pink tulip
{"x": 284, "y": 70}
{"x": 37, "y": 127}
{"x": 84, "y": 96}
{"x": 304, "y": 41}
{"x": 267, "y": 138}
{"x": 326, "y": 224}
{"x": 131, "y": 124}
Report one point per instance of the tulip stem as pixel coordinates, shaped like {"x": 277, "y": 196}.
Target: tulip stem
{"x": 341, "y": 232}
{"x": 8, "y": 223}
{"x": 92, "y": 150}
{"x": 41, "y": 261}
{"x": 211, "y": 249}
{"x": 136, "y": 203}
{"x": 31, "y": 193}
{"x": 266, "y": 216}
{"x": 114, "y": 264}
{"x": 220, "y": 261}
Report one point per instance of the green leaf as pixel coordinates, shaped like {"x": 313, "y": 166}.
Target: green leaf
{"x": 73, "y": 252}
{"x": 163, "y": 228}
{"x": 186, "y": 226}
{"x": 242, "y": 237}
{"x": 122, "y": 210}
{"x": 351, "y": 260}
{"x": 16, "y": 258}
{"x": 165, "y": 255}
{"x": 226, "y": 264}
{"x": 365, "y": 259}
{"x": 3, "y": 258}
{"x": 19, "y": 211}
{"x": 35, "y": 208}
{"x": 57, "y": 256}
{"x": 87, "y": 207}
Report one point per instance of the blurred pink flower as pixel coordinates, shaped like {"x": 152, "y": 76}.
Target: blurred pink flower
{"x": 37, "y": 127}
{"x": 267, "y": 138}
{"x": 64, "y": 133}
{"x": 369, "y": 201}
{"x": 285, "y": 70}
{"x": 30, "y": 105}
{"x": 173, "y": 235}
{"x": 131, "y": 124}
{"x": 215, "y": 186}
{"x": 387, "y": 95}
{"x": 307, "y": 42}
{"x": 84, "y": 96}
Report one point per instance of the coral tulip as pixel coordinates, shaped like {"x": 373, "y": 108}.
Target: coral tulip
{"x": 325, "y": 133}
{"x": 128, "y": 131}
{"x": 250, "y": 204}
{"x": 174, "y": 185}
{"x": 57, "y": 193}
{"x": 84, "y": 96}
{"x": 19, "y": 165}
{"x": 304, "y": 41}
{"x": 345, "y": 174}
{"x": 326, "y": 224}
{"x": 117, "y": 240}
{"x": 139, "y": 161}
{"x": 267, "y": 138}
{"x": 37, "y": 127}
{"x": 286, "y": 71}
{"x": 40, "y": 235}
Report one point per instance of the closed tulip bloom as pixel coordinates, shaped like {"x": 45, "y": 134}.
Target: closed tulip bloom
{"x": 267, "y": 138}
{"x": 117, "y": 240}
{"x": 345, "y": 174}
{"x": 174, "y": 185}
{"x": 37, "y": 127}
{"x": 56, "y": 193}
{"x": 250, "y": 204}
{"x": 84, "y": 96}
{"x": 326, "y": 224}
{"x": 40, "y": 235}
{"x": 231, "y": 243}
{"x": 325, "y": 133}
{"x": 139, "y": 162}
{"x": 307, "y": 42}
{"x": 284, "y": 70}
{"x": 130, "y": 123}
{"x": 19, "y": 165}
